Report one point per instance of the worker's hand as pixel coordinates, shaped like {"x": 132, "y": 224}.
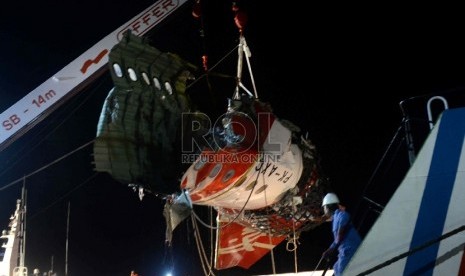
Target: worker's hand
{"x": 329, "y": 253}
{"x": 320, "y": 219}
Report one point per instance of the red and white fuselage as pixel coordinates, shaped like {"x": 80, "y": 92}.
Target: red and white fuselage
{"x": 249, "y": 175}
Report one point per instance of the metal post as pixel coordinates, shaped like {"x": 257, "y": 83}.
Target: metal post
{"x": 430, "y": 116}
{"x": 408, "y": 135}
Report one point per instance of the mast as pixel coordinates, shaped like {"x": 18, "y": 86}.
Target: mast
{"x": 67, "y": 238}
{"x": 22, "y": 234}
{"x": 10, "y": 243}
{"x": 51, "y": 265}
{"x": 19, "y": 247}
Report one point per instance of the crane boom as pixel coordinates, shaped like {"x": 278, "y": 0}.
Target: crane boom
{"x": 40, "y": 102}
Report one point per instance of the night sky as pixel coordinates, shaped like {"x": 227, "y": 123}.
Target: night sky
{"x": 338, "y": 72}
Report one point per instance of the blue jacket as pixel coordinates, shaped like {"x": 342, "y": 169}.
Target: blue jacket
{"x": 349, "y": 243}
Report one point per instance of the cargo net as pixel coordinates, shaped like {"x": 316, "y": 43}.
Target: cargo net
{"x": 298, "y": 210}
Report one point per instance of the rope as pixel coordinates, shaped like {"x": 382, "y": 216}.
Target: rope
{"x": 46, "y": 166}
{"x": 63, "y": 196}
{"x": 242, "y": 47}
{"x": 273, "y": 265}
{"x": 294, "y": 239}
{"x": 211, "y": 235}
{"x": 247, "y": 55}
{"x": 213, "y": 67}
{"x": 377, "y": 169}
{"x": 201, "y": 249}
{"x": 240, "y": 56}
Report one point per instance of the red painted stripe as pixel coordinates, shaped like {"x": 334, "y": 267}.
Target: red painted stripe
{"x": 96, "y": 60}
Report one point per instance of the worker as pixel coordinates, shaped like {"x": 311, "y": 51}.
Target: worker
{"x": 346, "y": 238}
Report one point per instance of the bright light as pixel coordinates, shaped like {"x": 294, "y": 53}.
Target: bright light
{"x": 168, "y": 274}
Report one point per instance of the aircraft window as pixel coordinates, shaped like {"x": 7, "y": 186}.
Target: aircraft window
{"x": 228, "y": 175}
{"x": 251, "y": 185}
{"x": 117, "y": 69}
{"x": 168, "y": 88}
{"x": 156, "y": 82}
{"x": 216, "y": 169}
{"x": 146, "y": 78}
{"x": 261, "y": 189}
{"x": 199, "y": 164}
{"x": 132, "y": 74}
{"x": 240, "y": 181}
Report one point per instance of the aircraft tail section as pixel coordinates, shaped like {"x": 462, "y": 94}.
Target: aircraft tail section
{"x": 241, "y": 246}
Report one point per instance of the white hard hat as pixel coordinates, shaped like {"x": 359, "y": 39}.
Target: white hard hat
{"x": 330, "y": 198}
